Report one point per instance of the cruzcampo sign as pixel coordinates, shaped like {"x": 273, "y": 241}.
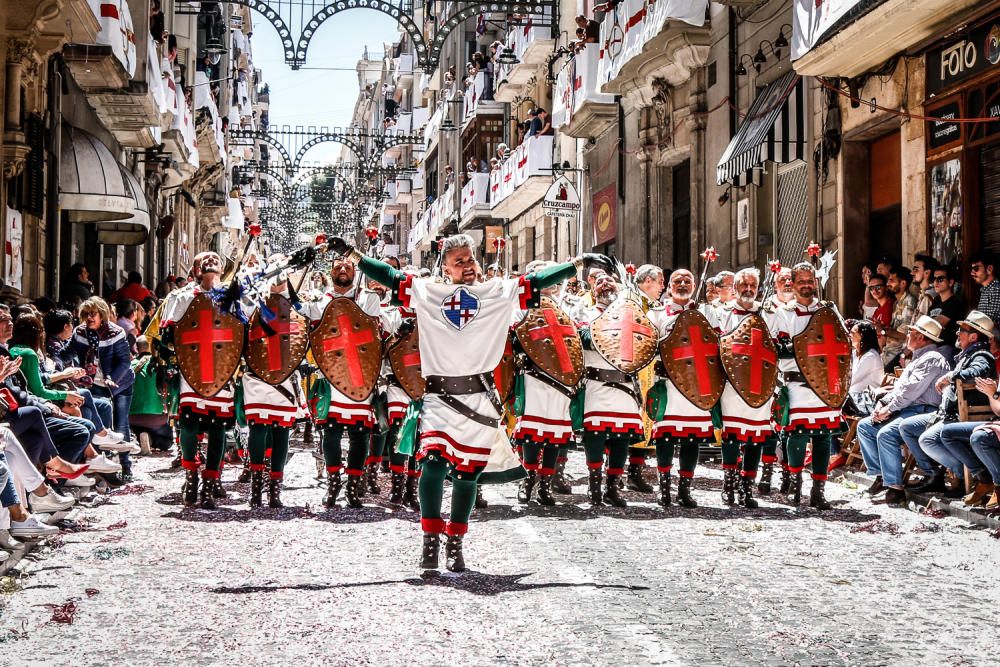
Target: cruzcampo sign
{"x": 562, "y": 200}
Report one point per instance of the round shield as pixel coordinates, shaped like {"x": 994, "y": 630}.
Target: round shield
{"x": 823, "y": 353}
{"x": 404, "y": 360}
{"x": 347, "y": 346}
{"x": 209, "y": 344}
{"x": 750, "y": 359}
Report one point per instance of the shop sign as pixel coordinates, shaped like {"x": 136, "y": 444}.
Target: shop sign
{"x": 562, "y": 200}
{"x": 944, "y": 132}
{"x": 605, "y": 223}
{"x": 960, "y": 60}
{"x": 492, "y": 233}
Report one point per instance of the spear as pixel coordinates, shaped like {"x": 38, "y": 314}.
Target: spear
{"x": 771, "y": 280}
{"x": 710, "y": 255}
{"x": 814, "y": 251}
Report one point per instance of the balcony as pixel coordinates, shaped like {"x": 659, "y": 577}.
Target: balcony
{"x": 475, "y": 202}
{"x": 402, "y": 73}
{"x": 579, "y": 109}
{"x": 433, "y": 127}
{"x": 522, "y": 179}
{"x": 531, "y": 45}
{"x": 671, "y": 42}
{"x": 474, "y": 102}
{"x": 403, "y": 191}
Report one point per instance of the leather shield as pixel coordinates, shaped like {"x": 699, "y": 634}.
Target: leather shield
{"x": 347, "y": 346}
{"x": 404, "y": 360}
{"x": 276, "y": 347}
{"x": 690, "y": 355}
{"x": 624, "y": 336}
{"x": 823, "y": 353}
{"x": 209, "y": 344}
{"x": 550, "y": 340}
{"x": 504, "y": 373}
{"x": 750, "y": 359}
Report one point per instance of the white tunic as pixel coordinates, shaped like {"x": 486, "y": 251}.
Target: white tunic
{"x": 683, "y": 420}
{"x": 220, "y": 405}
{"x": 807, "y": 412}
{"x": 740, "y": 421}
{"x": 605, "y": 408}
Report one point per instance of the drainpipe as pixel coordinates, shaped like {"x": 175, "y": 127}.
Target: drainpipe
{"x": 53, "y": 218}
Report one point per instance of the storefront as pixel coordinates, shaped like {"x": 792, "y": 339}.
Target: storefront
{"x": 963, "y": 147}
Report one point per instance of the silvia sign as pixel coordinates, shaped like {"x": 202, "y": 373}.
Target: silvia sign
{"x": 562, "y": 200}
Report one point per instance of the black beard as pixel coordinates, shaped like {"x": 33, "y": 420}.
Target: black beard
{"x": 343, "y": 282}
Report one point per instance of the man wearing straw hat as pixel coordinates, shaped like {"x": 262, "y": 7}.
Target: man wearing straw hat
{"x": 913, "y": 394}
{"x": 939, "y": 437}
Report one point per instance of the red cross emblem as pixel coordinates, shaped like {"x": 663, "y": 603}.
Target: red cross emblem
{"x": 347, "y": 341}
{"x": 627, "y": 327}
{"x": 558, "y": 333}
{"x": 204, "y": 337}
{"x": 831, "y": 350}
{"x": 758, "y": 354}
{"x": 699, "y": 351}
{"x": 277, "y": 346}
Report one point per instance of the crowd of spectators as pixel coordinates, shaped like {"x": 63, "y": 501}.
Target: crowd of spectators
{"x": 923, "y": 344}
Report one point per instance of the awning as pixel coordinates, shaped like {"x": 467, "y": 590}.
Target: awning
{"x": 95, "y": 189}
{"x": 774, "y": 129}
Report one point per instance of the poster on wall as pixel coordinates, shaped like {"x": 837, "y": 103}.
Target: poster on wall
{"x": 946, "y": 210}
{"x": 13, "y": 256}
{"x": 743, "y": 220}
{"x": 493, "y": 232}
{"x": 605, "y": 223}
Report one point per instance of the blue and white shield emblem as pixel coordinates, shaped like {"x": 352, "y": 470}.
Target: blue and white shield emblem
{"x": 460, "y": 308}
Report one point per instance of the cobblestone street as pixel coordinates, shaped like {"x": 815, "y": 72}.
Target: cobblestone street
{"x": 153, "y": 583}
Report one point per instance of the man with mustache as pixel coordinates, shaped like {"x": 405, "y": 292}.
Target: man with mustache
{"x": 683, "y": 425}
{"x": 198, "y": 415}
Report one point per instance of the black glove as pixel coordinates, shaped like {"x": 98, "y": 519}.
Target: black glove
{"x": 339, "y": 245}
{"x": 405, "y": 327}
{"x": 596, "y": 260}
{"x": 302, "y": 257}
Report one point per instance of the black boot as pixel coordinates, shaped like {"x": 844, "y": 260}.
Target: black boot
{"x": 613, "y": 495}
{"x": 729, "y": 487}
{"x": 481, "y": 503}
{"x": 206, "y": 499}
{"x": 396, "y": 490}
{"x": 545, "y": 491}
{"x": 362, "y": 489}
{"x": 217, "y": 491}
{"x": 817, "y": 498}
{"x": 176, "y": 463}
{"x": 351, "y": 491}
{"x": 373, "y": 487}
{"x": 526, "y": 486}
{"x": 635, "y": 481}
{"x": 431, "y": 551}
{"x": 764, "y": 486}
{"x": 684, "y": 498}
{"x": 190, "y": 488}
{"x": 307, "y": 433}
{"x": 274, "y": 493}
{"x": 596, "y": 497}
{"x": 559, "y": 482}
{"x": 333, "y": 484}
{"x": 786, "y": 481}
{"x": 794, "y": 493}
{"x": 746, "y": 484}
{"x": 256, "y": 488}
{"x": 664, "y": 500}
{"x": 410, "y": 497}
{"x": 455, "y": 561}
{"x": 246, "y": 475}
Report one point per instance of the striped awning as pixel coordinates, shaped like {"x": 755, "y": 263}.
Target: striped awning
{"x": 774, "y": 129}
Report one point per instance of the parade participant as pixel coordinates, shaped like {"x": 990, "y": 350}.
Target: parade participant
{"x": 809, "y": 417}
{"x": 336, "y": 412}
{"x": 544, "y": 427}
{"x": 744, "y": 426}
{"x": 784, "y": 292}
{"x": 463, "y": 332}
{"x": 649, "y": 280}
{"x": 198, "y": 415}
{"x": 684, "y": 425}
{"x": 612, "y": 419}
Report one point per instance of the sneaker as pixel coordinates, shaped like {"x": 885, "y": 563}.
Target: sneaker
{"x": 132, "y": 447}
{"x": 115, "y": 435}
{"x": 4, "y": 556}
{"x": 82, "y": 482}
{"x": 7, "y": 542}
{"x": 105, "y": 440}
{"x": 101, "y": 463}
{"x": 31, "y": 527}
{"x": 145, "y": 444}
{"x": 48, "y": 503}
{"x": 115, "y": 447}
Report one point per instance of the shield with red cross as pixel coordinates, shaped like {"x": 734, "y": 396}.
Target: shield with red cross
{"x": 209, "y": 344}
{"x": 690, "y": 355}
{"x": 404, "y": 360}
{"x": 550, "y": 340}
{"x": 823, "y": 353}
{"x": 276, "y": 341}
{"x": 624, "y": 336}
{"x": 347, "y": 346}
{"x": 750, "y": 359}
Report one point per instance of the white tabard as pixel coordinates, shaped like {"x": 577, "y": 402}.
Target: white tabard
{"x": 607, "y": 409}
{"x": 740, "y": 421}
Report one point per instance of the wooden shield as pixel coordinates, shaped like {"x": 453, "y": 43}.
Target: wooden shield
{"x": 404, "y": 360}
{"x": 624, "y": 336}
{"x": 750, "y": 359}
{"x": 691, "y": 356}
{"x": 823, "y": 353}
{"x": 209, "y": 345}
{"x": 276, "y": 348}
{"x": 549, "y": 338}
{"x": 504, "y": 373}
{"x": 347, "y": 346}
